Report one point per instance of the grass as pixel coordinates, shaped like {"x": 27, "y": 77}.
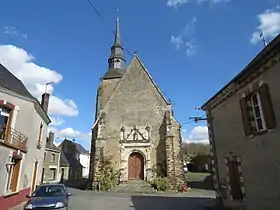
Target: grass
{"x": 196, "y": 177}
{"x": 200, "y": 180}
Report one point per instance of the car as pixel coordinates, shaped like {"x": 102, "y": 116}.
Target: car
{"x": 49, "y": 196}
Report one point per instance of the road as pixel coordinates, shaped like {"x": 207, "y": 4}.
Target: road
{"x": 89, "y": 200}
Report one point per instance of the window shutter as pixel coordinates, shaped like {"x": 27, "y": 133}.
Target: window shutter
{"x": 266, "y": 105}
{"x": 245, "y": 117}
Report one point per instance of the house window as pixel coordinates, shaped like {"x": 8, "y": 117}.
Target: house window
{"x": 52, "y": 174}
{"x": 70, "y": 172}
{"x": 13, "y": 169}
{"x": 53, "y": 158}
{"x": 43, "y": 175}
{"x": 62, "y": 173}
{"x": 4, "y": 121}
{"x": 39, "y": 144}
{"x": 257, "y": 111}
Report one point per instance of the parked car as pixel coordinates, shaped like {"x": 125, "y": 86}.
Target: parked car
{"x": 49, "y": 196}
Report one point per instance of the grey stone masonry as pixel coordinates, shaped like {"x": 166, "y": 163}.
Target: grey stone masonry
{"x": 174, "y": 157}
{"x": 131, "y": 118}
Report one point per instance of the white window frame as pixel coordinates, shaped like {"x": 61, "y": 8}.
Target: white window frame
{"x": 10, "y": 168}
{"x": 261, "y": 112}
{"x": 55, "y": 174}
{"x": 9, "y": 176}
{"x": 53, "y": 159}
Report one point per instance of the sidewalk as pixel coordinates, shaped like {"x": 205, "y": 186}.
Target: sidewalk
{"x": 18, "y": 207}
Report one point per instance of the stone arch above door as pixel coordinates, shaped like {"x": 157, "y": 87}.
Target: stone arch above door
{"x": 142, "y": 148}
{"x": 136, "y": 162}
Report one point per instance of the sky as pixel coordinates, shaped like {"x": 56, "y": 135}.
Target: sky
{"x": 192, "y": 48}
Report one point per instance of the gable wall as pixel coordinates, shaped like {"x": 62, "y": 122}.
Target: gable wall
{"x": 260, "y": 154}
{"x": 135, "y": 101}
{"x": 105, "y": 90}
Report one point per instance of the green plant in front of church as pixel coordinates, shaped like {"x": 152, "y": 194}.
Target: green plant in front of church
{"x": 108, "y": 176}
{"x": 160, "y": 183}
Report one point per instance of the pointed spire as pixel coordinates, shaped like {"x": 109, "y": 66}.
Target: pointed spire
{"x": 116, "y": 60}
{"x": 117, "y": 31}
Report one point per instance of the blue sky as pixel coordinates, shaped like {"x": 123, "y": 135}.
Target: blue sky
{"x": 191, "y": 48}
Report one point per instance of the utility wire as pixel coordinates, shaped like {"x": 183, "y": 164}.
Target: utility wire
{"x": 99, "y": 14}
{"x": 184, "y": 123}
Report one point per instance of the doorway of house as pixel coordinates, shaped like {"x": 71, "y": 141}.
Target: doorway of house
{"x": 135, "y": 166}
{"x": 34, "y": 176}
{"x": 235, "y": 183}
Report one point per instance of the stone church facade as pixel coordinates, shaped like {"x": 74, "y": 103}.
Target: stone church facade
{"x": 134, "y": 123}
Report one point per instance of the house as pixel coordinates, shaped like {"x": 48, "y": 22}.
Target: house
{"x": 51, "y": 167}
{"x": 71, "y": 159}
{"x": 84, "y": 158}
{"x": 23, "y": 129}
{"x": 244, "y": 133}
{"x": 134, "y": 123}
{"x": 64, "y": 168}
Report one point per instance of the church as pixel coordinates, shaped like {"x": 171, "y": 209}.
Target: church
{"x": 134, "y": 123}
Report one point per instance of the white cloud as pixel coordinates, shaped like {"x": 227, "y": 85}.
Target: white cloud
{"x": 13, "y": 31}
{"x": 183, "y": 40}
{"x": 189, "y": 27}
{"x": 198, "y": 134}
{"x": 177, "y": 41}
{"x": 70, "y": 133}
{"x": 22, "y": 65}
{"x": 63, "y": 107}
{"x": 178, "y": 3}
{"x": 212, "y": 1}
{"x": 269, "y": 24}
{"x": 56, "y": 121}
{"x": 190, "y": 48}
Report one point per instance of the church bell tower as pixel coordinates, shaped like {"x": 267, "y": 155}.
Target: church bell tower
{"x": 116, "y": 60}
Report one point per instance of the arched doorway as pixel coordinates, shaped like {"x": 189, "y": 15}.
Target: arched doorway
{"x": 136, "y": 166}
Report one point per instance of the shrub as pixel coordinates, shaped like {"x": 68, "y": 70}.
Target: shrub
{"x": 108, "y": 176}
{"x": 159, "y": 170}
{"x": 160, "y": 183}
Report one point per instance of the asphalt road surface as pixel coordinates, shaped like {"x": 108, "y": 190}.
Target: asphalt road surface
{"x": 90, "y": 200}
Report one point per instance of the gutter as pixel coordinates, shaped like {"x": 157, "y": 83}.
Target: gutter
{"x": 96, "y": 121}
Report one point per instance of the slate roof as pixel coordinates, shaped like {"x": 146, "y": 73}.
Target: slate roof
{"x": 63, "y": 160}
{"x": 81, "y": 149}
{"x": 53, "y": 147}
{"x": 11, "y": 82}
{"x": 72, "y": 161}
{"x": 113, "y": 73}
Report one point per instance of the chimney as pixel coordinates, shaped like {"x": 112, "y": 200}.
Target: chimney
{"x": 50, "y": 140}
{"x": 51, "y": 137}
{"x": 45, "y": 101}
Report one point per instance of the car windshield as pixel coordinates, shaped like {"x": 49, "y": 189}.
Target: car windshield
{"x": 50, "y": 191}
